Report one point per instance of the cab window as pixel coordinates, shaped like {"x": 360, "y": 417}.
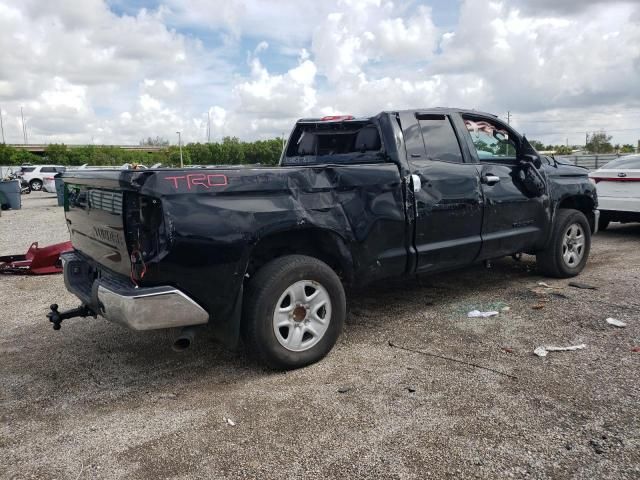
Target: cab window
{"x": 491, "y": 141}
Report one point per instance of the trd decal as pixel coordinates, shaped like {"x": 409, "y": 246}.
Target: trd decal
{"x": 205, "y": 180}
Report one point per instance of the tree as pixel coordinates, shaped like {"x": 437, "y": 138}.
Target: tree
{"x": 599, "y": 142}
{"x": 627, "y": 148}
{"x": 154, "y": 142}
{"x": 56, "y": 154}
{"x": 537, "y": 144}
{"x": 563, "y": 150}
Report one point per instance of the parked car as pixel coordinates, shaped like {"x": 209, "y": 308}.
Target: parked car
{"x": 264, "y": 253}
{"x": 618, "y": 186}
{"x": 35, "y": 174}
{"x": 49, "y": 184}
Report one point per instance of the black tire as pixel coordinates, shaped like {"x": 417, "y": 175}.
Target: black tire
{"x": 263, "y": 293}
{"x": 551, "y": 261}
{"x": 35, "y": 185}
{"x": 603, "y": 223}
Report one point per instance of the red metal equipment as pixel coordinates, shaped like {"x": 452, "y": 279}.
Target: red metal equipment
{"x": 37, "y": 261}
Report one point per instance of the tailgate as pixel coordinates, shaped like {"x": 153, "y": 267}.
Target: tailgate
{"x": 94, "y": 209}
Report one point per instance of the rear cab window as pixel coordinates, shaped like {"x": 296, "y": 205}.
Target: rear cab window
{"x": 492, "y": 142}
{"x": 337, "y": 142}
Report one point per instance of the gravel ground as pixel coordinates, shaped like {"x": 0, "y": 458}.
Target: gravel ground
{"x": 97, "y": 401}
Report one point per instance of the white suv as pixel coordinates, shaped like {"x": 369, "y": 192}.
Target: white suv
{"x": 35, "y": 174}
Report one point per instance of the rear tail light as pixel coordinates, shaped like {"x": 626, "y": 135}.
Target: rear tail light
{"x": 594, "y": 180}
{"x": 144, "y": 226}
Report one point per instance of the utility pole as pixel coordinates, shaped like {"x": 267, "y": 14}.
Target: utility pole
{"x": 508, "y": 118}
{"x": 208, "y": 126}
{"x": 180, "y": 147}
{"x": 2, "y": 126}
{"x": 24, "y": 130}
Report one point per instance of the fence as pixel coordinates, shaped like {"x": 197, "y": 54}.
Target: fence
{"x": 592, "y": 162}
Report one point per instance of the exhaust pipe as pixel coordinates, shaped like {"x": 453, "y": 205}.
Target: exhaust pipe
{"x": 184, "y": 339}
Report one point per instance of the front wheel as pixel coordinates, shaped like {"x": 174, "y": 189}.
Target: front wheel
{"x": 36, "y": 185}
{"x": 293, "y": 312}
{"x": 569, "y": 246}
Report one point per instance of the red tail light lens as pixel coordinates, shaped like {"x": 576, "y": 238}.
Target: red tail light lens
{"x": 336, "y": 118}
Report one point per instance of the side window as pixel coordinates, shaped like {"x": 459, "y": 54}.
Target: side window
{"x": 440, "y": 140}
{"x": 48, "y": 169}
{"x": 491, "y": 141}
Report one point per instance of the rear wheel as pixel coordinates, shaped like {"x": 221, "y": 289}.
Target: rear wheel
{"x": 568, "y": 250}
{"x": 293, "y": 312}
{"x": 36, "y": 185}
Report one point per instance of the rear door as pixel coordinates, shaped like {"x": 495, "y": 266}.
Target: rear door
{"x": 514, "y": 219}
{"x": 448, "y": 202}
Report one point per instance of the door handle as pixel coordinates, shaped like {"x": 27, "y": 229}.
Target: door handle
{"x": 416, "y": 183}
{"x": 490, "y": 179}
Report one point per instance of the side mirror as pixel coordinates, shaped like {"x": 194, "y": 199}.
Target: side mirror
{"x": 533, "y": 159}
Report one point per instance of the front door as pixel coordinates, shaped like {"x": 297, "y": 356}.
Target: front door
{"x": 448, "y": 202}
{"x": 515, "y": 216}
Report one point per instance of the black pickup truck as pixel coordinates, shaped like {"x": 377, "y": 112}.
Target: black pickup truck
{"x": 264, "y": 253}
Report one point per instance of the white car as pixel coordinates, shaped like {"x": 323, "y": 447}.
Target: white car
{"x": 36, "y": 174}
{"x": 49, "y": 183}
{"x": 618, "y": 187}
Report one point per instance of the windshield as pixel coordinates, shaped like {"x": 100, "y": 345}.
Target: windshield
{"x": 629, "y": 162}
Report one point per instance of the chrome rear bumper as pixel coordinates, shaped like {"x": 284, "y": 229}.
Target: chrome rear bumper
{"x": 137, "y": 308}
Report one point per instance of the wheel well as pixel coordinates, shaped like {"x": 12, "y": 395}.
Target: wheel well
{"x": 582, "y": 203}
{"x": 317, "y": 243}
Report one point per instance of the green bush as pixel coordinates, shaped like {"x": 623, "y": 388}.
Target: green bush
{"x": 231, "y": 151}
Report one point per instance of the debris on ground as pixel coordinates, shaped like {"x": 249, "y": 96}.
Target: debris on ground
{"x": 635, "y": 349}
{"x": 470, "y": 364}
{"x": 558, "y": 294}
{"x": 545, "y": 285}
{"x": 229, "y": 422}
{"x": 478, "y": 313}
{"x": 615, "y": 322}
{"x": 584, "y": 286}
{"x": 343, "y": 389}
{"x": 507, "y": 349}
{"x": 37, "y": 261}
{"x": 596, "y": 447}
{"x": 542, "y": 351}
{"x": 538, "y": 306}
{"x": 505, "y": 309}
{"x": 410, "y": 389}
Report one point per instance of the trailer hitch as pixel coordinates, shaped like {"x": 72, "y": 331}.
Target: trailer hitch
{"x": 57, "y": 317}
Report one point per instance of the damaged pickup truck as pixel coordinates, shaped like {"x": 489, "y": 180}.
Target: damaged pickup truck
{"x": 264, "y": 253}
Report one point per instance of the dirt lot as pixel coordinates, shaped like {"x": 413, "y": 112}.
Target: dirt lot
{"x": 97, "y": 401}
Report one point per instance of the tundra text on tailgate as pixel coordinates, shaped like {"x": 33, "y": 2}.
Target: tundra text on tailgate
{"x": 264, "y": 253}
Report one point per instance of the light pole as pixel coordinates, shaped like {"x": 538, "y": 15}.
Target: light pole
{"x": 180, "y": 147}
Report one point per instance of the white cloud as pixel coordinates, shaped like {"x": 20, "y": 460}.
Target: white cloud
{"x": 83, "y": 72}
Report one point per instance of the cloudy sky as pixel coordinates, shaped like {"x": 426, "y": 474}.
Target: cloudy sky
{"x": 113, "y": 72}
